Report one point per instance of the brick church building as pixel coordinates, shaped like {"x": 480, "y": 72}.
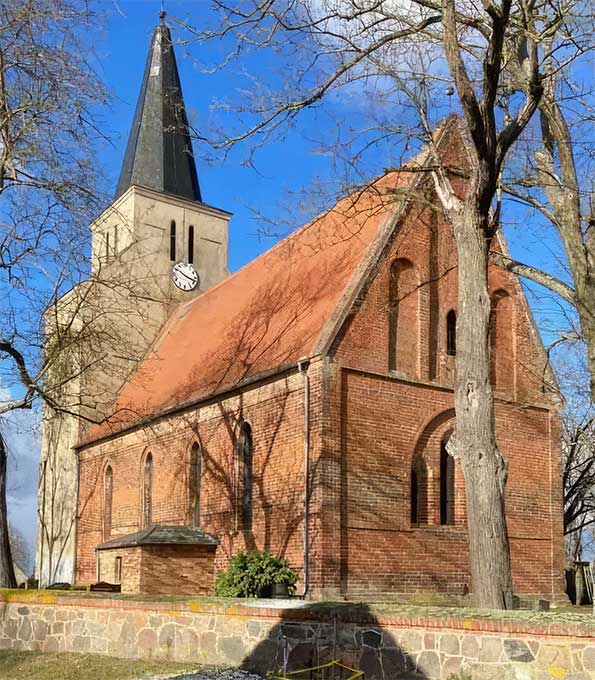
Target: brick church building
{"x": 303, "y": 403}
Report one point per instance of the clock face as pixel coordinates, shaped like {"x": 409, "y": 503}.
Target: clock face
{"x": 184, "y": 276}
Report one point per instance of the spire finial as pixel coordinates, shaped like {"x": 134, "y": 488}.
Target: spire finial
{"x": 162, "y": 13}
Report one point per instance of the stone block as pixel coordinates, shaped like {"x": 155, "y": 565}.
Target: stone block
{"x": 449, "y": 644}
{"x": 490, "y": 650}
{"x": 429, "y": 663}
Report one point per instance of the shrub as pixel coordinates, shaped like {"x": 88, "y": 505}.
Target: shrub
{"x": 251, "y": 574}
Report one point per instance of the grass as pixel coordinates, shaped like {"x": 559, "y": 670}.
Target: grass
{"x": 38, "y": 666}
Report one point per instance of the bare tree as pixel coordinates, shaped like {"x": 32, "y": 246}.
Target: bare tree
{"x": 49, "y": 189}
{"x": 497, "y": 59}
{"x": 558, "y": 182}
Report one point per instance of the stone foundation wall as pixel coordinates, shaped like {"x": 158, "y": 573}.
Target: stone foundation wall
{"x": 255, "y": 637}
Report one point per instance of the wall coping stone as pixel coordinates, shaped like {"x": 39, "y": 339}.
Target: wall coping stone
{"x": 550, "y": 624}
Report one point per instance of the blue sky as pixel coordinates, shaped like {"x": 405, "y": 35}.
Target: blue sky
{"x": 284, "y": 170}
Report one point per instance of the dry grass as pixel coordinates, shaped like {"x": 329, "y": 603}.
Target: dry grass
{"x": 38, "y": 666}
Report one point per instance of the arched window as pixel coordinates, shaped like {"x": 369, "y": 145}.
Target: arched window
{"x": 414, "y": 492}
{"x": 147, "y": 491}
{"x": 245, "y": 461}
{"x": 172, "y": 241}
{"x": 107, "y": 246}
{"x": 419, "y": 492}
{"x": 502, "y": 365}
{"x": 194, "y": 479}
{"x": 447, "y": 486}
{"x": 403, "y": 318}
{"x": 108, "y": 491}
{"x": 190, "y": 244}
{"x": 451, "y": 333}
{"x": 116, "y": 240}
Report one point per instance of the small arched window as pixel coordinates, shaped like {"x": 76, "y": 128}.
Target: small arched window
{"x": 194, "y": 479}
{"x": 107, "y": 246}
{"x": 172, "y": 241}
{"x": 116, "y": 240}
{"x": 108, "y": 492}
{"x": 447, "y": 486}
{"x": 190, "y": 244}
{"x": 245, "y": 462}
{"x": 147, "y": 491}
{"x": 451, "y": 333}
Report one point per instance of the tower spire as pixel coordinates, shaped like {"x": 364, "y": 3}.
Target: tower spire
{"x": 159, "y": 150}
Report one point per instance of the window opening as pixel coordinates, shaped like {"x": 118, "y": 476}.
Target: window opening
{"x": 190, "y": 244}
{"x": 172, "y": 241}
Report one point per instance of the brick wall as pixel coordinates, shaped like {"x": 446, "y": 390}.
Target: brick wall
{"x": 382, "y": 419}
{"x": 160, "y": 569}
{"x": 275, "y": 412}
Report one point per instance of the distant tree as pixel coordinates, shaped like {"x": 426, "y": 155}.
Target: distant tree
{"x": 492, "y": 62}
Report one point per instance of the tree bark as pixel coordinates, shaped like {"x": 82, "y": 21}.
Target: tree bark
{"x": 7, "y": 577}
{"x": 484, "y": 468}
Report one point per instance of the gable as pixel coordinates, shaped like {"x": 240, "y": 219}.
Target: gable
{"x": 398, "y": 322}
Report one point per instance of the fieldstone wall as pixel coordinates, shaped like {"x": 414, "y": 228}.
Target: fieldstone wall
{"x": 264, "y": 638}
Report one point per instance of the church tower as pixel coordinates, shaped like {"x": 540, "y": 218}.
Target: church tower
{"x": 156, "y": 245}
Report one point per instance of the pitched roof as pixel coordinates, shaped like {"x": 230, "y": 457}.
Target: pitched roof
{"x": 159, "y": 150}
{"x": 161, "y": 534}
{"x": 265, "y": 316}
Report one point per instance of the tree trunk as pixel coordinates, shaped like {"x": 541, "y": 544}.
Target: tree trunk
{"x": 484, "y": 468}
{"x": 585, "y": 305}
{"x": 7, "y": 577}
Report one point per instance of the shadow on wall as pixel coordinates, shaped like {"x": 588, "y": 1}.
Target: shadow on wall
{"x": 316, "y": 634}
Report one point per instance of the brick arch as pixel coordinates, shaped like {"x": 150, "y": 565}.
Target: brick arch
{"x": 404, "y": 303}
{"x": 427, "y": 456}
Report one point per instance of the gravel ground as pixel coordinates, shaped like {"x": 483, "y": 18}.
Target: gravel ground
{"x": 210, "y": 674}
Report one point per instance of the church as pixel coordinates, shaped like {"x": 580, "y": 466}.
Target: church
{"x": 301, "y": 404}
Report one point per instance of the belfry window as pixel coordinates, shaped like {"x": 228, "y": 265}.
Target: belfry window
{"x": 172, "y": 241}
{"x": 194, "y": 479}
{"x": 147, "y": 492}
{"x": 245, "y": 463}
{"x": 451, "y": 333}
{"x": 190, "y": 244}
{"x": 447, "y": 486}
{"x": 108, "y": 491}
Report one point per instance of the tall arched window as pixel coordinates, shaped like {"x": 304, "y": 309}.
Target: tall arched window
{"x": 172, "y": 241}
{"x": 190, "y": 244}
{"x": 107, "y": 247}
{"x": 403, "y": 318}
{"x": 447, "y": 486}
{"x": 194, "y": 484}
{"x": 451, "y": 333}
{"x": 147, "y": 491}
{"x": 419, "y": 492}
{"x": 502, "y": 341}
{"x": 108, "y": 491}
{"x": 245, "y": 461}
{"x": 414, "y": 492}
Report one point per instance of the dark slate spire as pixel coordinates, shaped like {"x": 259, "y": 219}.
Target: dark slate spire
{"x": 159, "y": 151}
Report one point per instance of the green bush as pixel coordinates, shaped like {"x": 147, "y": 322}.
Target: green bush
{"x": 251, "y": 574}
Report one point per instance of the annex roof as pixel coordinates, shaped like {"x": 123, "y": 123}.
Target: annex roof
{"x": 161, "y": 534}
{"x": 265, "y": 316}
